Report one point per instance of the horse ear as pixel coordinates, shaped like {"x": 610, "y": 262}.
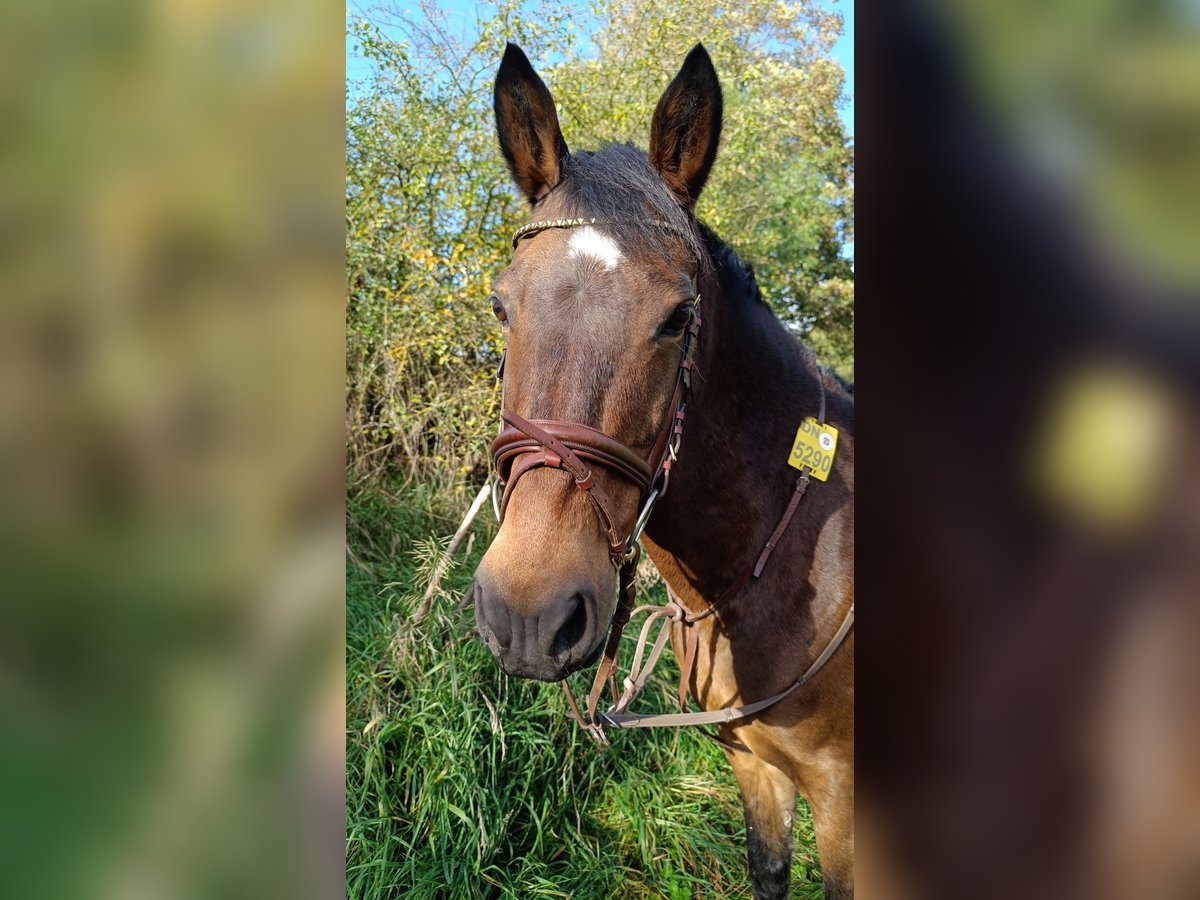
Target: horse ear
{"x": 686, "y": 127}
{"x": 527, "y": 126}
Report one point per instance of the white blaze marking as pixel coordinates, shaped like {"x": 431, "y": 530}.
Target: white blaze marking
{"x": 587, "y": 241}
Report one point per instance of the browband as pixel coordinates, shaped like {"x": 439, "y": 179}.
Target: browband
{"x": 534, "y": 228}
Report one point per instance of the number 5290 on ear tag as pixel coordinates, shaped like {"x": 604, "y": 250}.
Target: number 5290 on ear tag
{"x": 814, "y": 447}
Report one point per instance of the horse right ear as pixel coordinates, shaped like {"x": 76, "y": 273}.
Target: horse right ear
{"x": 686, "y": 127}
{"x": 527, "y": 126}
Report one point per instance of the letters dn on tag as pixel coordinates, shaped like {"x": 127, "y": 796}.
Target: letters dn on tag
{"x": 814, "y": 448}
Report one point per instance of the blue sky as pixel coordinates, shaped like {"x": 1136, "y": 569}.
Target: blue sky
{"x": 843, "y": 50}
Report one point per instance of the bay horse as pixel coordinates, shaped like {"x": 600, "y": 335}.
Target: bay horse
{"x": 605, "y": 361}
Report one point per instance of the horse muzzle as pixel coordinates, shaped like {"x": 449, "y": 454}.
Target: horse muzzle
{"x": 544, "y": 640}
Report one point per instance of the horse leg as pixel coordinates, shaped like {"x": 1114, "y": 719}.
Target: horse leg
{"x": 832, "y": 802}
{"x": 769, "y": 804}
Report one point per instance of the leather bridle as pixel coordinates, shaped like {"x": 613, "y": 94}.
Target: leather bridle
{"x": 527, "y": 444}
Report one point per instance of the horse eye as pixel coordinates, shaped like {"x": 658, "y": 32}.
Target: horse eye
{"x": 679, "y": 319}
{"x": 498, "y": 309}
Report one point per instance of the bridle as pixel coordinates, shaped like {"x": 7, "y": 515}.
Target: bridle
{"x": 524, "y": 445}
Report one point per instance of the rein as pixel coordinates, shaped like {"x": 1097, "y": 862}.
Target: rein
{"x": 524, "y": 445}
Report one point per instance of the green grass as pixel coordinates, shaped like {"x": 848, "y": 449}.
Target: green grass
{"x": 461, "y": 782}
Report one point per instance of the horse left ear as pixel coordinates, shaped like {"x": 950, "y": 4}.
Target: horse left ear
{"x": 527, "y": 126}
{"x": 686, "y": 127}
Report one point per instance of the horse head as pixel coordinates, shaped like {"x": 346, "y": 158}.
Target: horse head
{"x": 599, "y": 311}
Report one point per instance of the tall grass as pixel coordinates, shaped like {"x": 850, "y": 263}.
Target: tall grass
{"x": 462, "y": 782}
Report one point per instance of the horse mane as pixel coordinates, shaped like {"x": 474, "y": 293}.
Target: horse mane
{"x": 740, "y": 286}
{"x": 736, "y": 277}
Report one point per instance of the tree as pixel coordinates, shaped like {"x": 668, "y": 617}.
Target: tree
{"x": 429, "y": 207}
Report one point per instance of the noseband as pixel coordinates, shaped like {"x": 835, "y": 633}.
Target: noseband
{"x": 524, "y": 445}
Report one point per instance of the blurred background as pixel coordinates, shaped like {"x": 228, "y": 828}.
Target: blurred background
{"x": 171, "y": 621}
{"x": 1029, "y": 449}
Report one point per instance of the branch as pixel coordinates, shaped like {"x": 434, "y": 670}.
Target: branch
{"x": 444, "y": 562}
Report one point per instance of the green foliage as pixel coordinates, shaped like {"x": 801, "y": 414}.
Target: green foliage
{"x": 462, "y": 782}
{"x": 429, "y": 207}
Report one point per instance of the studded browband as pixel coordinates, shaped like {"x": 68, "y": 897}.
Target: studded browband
{"x": 532, "y": 228}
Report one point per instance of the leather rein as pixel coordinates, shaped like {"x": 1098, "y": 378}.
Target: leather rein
{"x": 524, "y": 445}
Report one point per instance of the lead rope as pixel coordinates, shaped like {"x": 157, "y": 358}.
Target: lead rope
{"x": 672, "y": 612}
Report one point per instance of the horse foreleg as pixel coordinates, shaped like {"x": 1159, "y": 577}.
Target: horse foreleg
{"x": 769, "y": 804}
{"x": 831, "y": 796}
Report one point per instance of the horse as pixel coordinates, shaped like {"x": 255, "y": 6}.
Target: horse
{"x": 604, "y": 363}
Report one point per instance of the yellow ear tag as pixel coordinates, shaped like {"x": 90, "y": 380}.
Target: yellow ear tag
{"x": 814, "y": 448}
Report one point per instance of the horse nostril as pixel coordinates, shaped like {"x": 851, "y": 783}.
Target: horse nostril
{"x": 491, "y": 616}
{"x": 572, "y": 630}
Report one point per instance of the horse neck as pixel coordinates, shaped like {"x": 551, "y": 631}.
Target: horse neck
{"x": 751, "y": 388}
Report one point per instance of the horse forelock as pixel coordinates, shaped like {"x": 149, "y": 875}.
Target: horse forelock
{"x": 617, "y": 185}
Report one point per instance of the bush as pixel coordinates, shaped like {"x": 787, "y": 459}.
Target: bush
{"x": 430, "y": 211}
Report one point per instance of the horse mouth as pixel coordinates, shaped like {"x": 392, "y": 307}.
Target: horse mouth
{"x": 587, "y": 661}
{"x": 555, "y": 669}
